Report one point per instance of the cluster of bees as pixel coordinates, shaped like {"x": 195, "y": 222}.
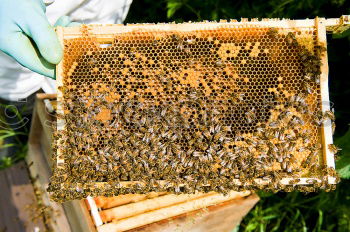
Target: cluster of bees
{"x": 181, "y": 138}
{"x": 39, "y": 211}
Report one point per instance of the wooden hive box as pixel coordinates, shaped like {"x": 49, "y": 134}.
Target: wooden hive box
{"x": 132, "y": 212}
{"x": 69, "y": 216}
{"x": 109, "y": 68}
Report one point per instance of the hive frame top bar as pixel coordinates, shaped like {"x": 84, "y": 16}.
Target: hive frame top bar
{"x": 106, "y": 32}
{"x": 333, "y": 25}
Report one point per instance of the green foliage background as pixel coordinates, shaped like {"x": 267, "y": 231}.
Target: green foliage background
{"x": 283, "y": 211}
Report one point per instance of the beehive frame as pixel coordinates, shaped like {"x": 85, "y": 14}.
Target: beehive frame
{"x": 105, "y": 34}
{"x": 125, "y": 212}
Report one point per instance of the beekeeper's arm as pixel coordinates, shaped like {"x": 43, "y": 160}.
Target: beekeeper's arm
{"x": 27, "y": 36}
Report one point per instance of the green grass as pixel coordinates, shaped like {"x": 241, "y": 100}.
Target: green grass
{"x": 20, "y": 141}
{"x": 295, "y": 211}
{"x": 6, "y": 162}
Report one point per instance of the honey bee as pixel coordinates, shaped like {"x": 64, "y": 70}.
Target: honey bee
{"x": 92, "y": 61}
{"x": 294, "y": 181}
{"x": 333, "y": 127}
{"x": 272, "y": 33}
{"x": 308, "y": 77}
{"x": 274, "y": 124}
{"x": 207, "y": 134}
{"x": 311, "y": 181}
{"x": 298, "y": 99}
{"x": 180, "y": 45}
{"x": 307, "y": 88}
{"x": 331, "y": 171}
{"x": 175, "y": 37}
{"x": 319, "y": 49}
{"x": 250, "y": 115}
{"x": 318, "y": 118}
{"x": 187, "y": 50}
{"x": 291, "y": 40}
{"x": 329, "y": 114}
{"x": 333, "y": 148}
{"x": 219, "y": 64}
{"x": 236, "y": 98}
{"x": 295, "y": 120}
{"x": 190, "y": 41}
{"x": 155, "y": 42}
{"x": 317, "y": 79}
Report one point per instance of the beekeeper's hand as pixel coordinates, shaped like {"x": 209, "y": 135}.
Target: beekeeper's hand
{"x": 27, "y": 36}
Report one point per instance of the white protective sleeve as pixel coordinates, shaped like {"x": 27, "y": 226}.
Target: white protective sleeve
{"x": 17, "y": 82}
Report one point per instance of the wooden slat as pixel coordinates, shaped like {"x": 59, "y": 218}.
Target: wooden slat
{"x": 341, "y": 23}
{"x": 46, "y": 120}
{"x": 109, "y": 202}
{"x": 45, "y": 144}
{"x": 79, "y": 216}
{"x": 45, "y": 117}
{"x": 46, "y": 96}
{"x": 40, "y": 134}
{"x": 17, "y": 194}
{"x": 104, "y": 32}
{"x": 327, "y": 134}
{"x": 222, "y": 217}
{"x": 325, "y": 106}
{"x": 168, "y": 212}
{"x": 133, "y": 209}
{"x": 35, "y": 127}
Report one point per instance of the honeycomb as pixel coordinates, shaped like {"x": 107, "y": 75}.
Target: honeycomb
{"x": 192, "y": 110}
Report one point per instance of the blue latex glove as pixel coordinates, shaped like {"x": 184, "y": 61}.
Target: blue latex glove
{"x": 64, "y": 21}
{"x": 27, "y": 36}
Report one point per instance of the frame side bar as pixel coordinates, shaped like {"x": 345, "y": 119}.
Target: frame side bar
{"x": 326, "y": 129}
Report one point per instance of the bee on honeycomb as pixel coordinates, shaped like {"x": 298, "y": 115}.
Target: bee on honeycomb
{"x": 195, "y": 110}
